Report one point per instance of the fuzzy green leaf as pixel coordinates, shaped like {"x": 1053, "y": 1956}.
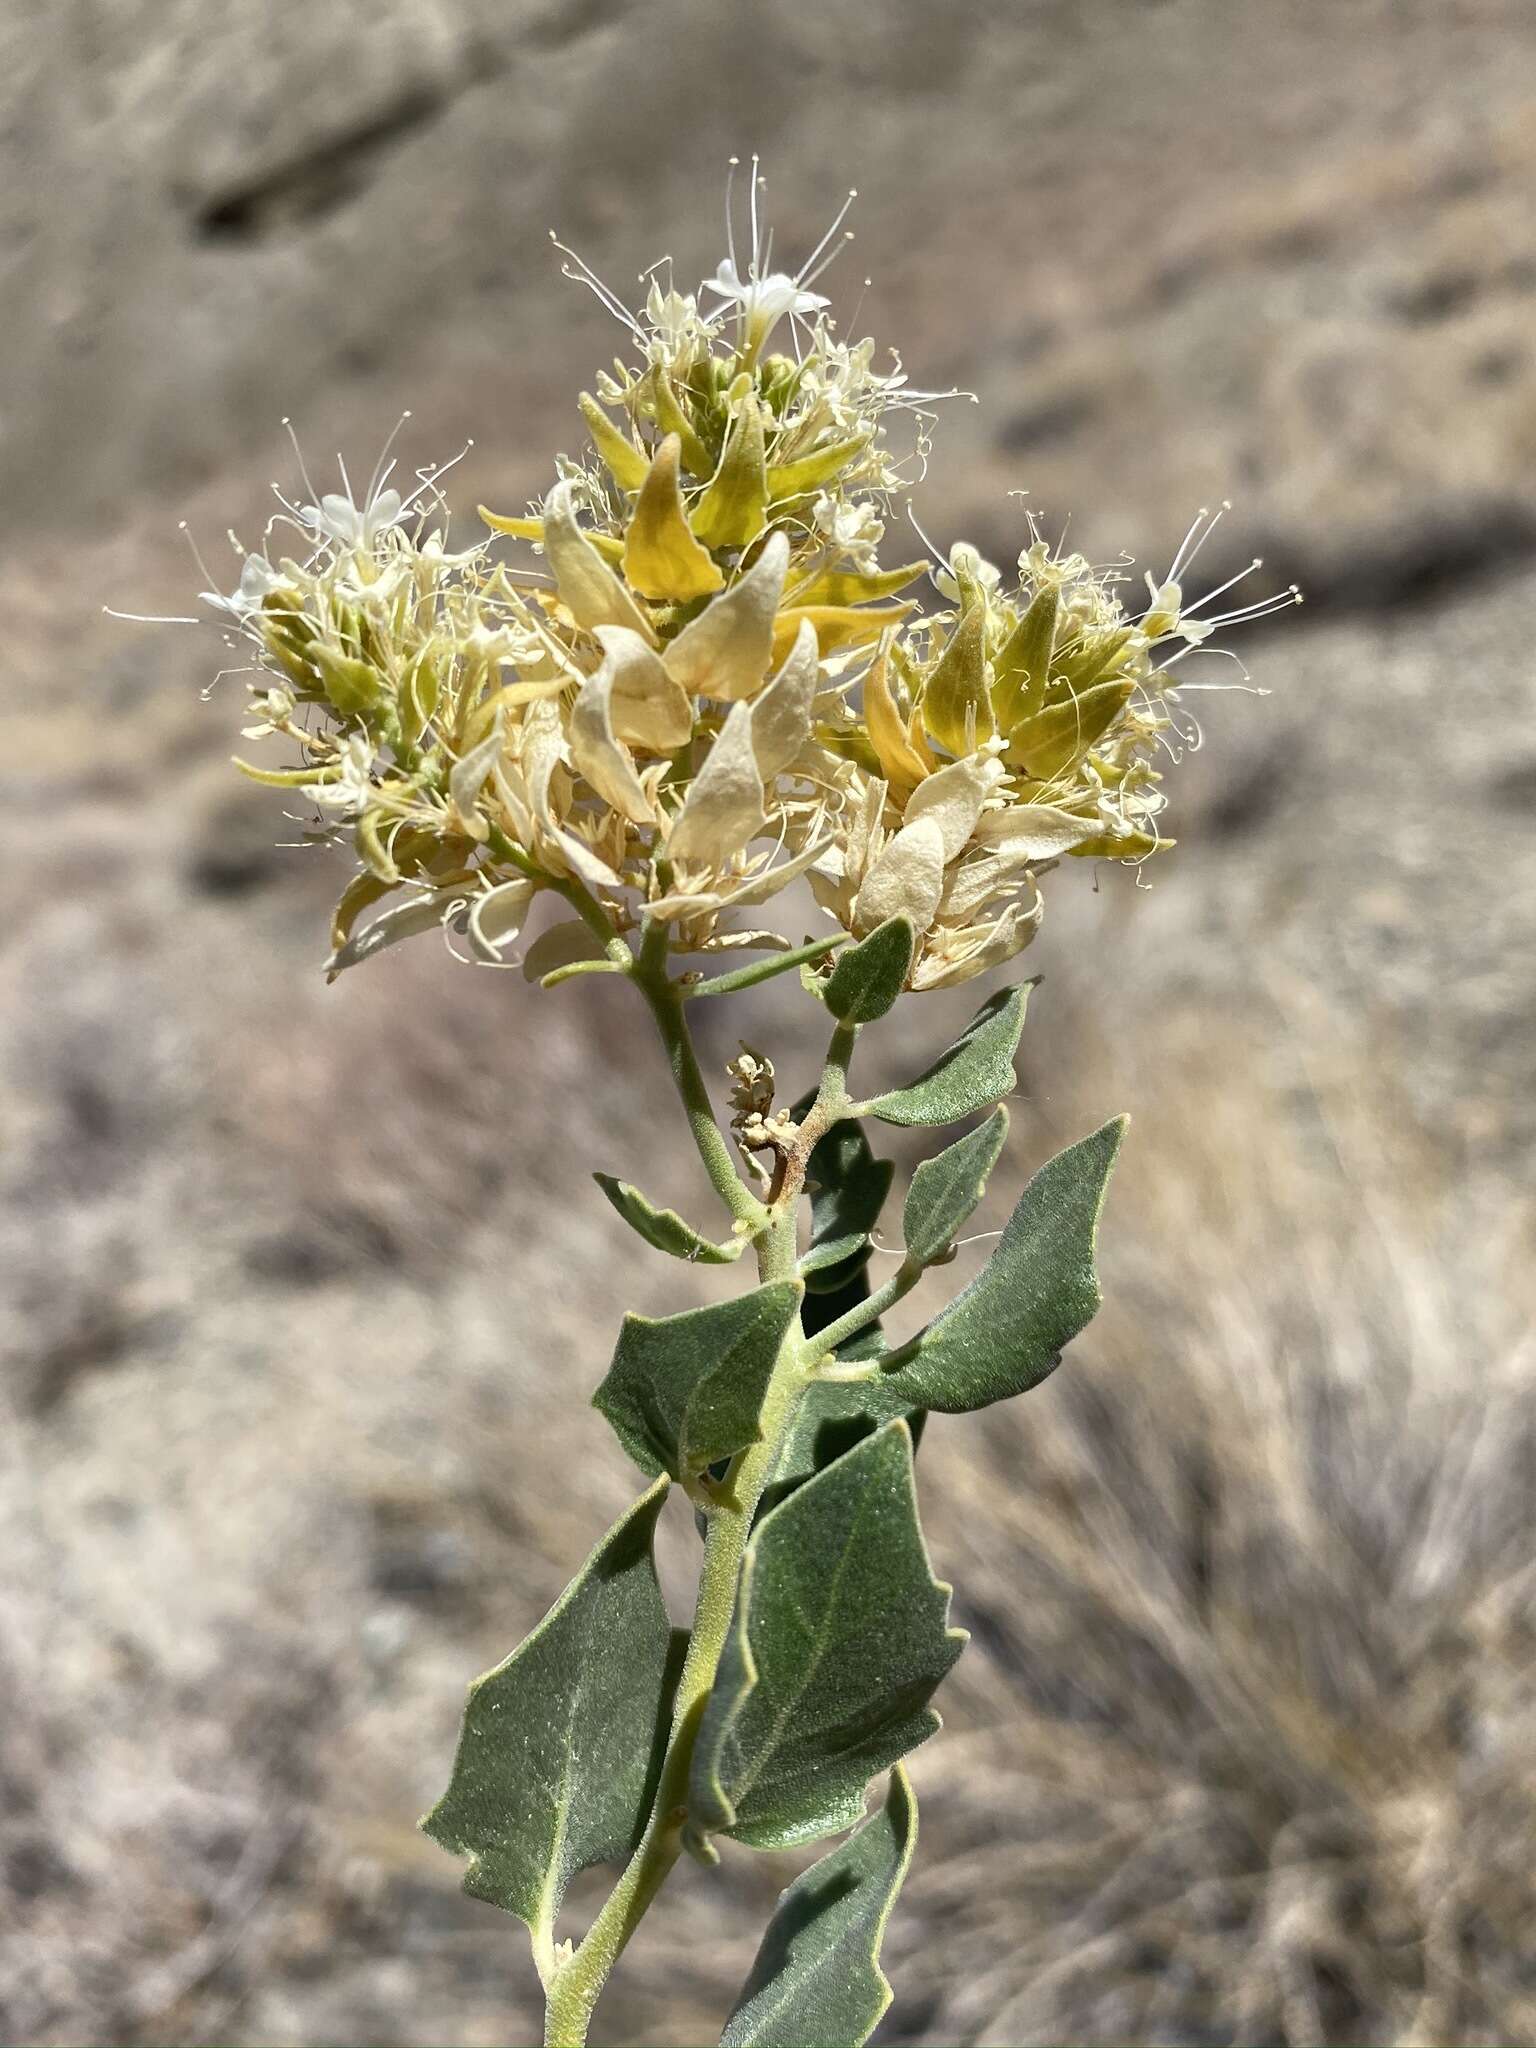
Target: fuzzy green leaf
{"x": 834, "y": 1415}
{"x": 970, "y": 1075}
{"x": 817, "y": 1976}
{"x": 839, "y": 1640}
{"x": 869, "y": 976}
{"x": 684, "y": 1391}
{"x": 848, "y": 1190}
{"x": 664, "y": 1228}
{"x": 946, "y": 1189}
{"x": 562, "y": 1744}
{"x": 1006, "y": 1332}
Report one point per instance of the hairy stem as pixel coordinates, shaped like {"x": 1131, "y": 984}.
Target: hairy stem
{"x": 666, "y": 1006}
{"x": 573, "y": 1990}
{"x": 859, "y": 1317}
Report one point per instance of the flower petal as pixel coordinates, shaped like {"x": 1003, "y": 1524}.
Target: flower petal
{"x": 466, "y": 779}
{"x": 971, "y": 953}
{"x": 724, "y": 805}
{"x": 588, "y": 588}
{"x": 756, "y": 889}
{"x": 647, "y": 708}
{"x": 725, "y": 651}
{"x": 543, "y": 750}
{"x": 402, "y": 921}
{"x": 732, "y": 510}
{"x": 906, "y": 880}
{"x": 953, "y": 799}
{"x": 955, "y": 707}
{"x": 904, "y": 766}
{"x": 494, "y": 920}
{"x": 598, "y": 755}
{"x": 1029, "y": 832}
{"x": 781, "y": 716}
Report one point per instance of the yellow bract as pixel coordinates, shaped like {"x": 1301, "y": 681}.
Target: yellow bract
{"x": 662, "y": 560}
{"x": 733, "y": 509}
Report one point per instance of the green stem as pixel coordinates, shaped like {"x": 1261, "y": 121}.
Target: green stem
{"x": 763, "y": 970}
{"x": 859, "y": 1317}
{"x": 574, "y": 1992}
{"x": 577, "y": 894}
{"x": 666, "y": 1006}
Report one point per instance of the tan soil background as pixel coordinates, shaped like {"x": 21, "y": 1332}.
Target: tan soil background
{"x": 304, "y": 1290}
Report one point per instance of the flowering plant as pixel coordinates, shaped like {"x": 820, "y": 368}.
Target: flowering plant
{"x": 702, "y": 684}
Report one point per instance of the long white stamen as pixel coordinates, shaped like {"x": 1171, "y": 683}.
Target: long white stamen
{"x": 1224, "y": 507}
{"x": 432, "y": 477}
{"x": 809, "y": 277}
{"x": 807, "y": 269}
{"x": 730, "y": 210}
{"x": 1260, "y": 609}
{"x": 1195, "y": 648}
{"x": 582, "y": 273}
{"x": 152, "y": 618}
{"x": 942, "y": 560}
{"x": 203, "y": 569}
{"x": 1188, "y": 611}
{"x": 298, "y": 456}
{"x": 381, "y": 475}
{"x": 757, "y": 247}
{"x": 1194, "y": 527}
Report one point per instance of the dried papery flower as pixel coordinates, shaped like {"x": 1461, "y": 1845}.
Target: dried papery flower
{"x": 703, "y": 684}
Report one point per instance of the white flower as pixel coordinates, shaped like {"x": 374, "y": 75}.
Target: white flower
{"x": 965, "y": 562}
{"x": 853, "y": 525}
{"x": 763, "y": 301}
{"x": 675, "y": 322}
{"x": 257, "y": 578}
{"x": 275, "y": 709}
{"x": 349, "y": 525}
{"x": 349, "y": 791}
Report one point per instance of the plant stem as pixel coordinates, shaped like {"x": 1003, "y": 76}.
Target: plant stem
{"x": 577, "y": 894}
{"x": 574, "y": 1987}
{"x": 859, "y": 1317}
{"x": 666, "y": 1006}
{"x": 764, "y": 970}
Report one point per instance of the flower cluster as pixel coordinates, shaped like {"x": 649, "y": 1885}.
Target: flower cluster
{"x": 701, "y": 682}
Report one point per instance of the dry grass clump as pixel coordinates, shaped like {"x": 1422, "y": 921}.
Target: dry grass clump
{"x": 1252, "y": 1757}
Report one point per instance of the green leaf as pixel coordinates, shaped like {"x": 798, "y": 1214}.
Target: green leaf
{"x": 848, "y": 1190}
{"x": 834, "y": 1415}
{"x": 946, "y": 1189}
{"x": 870, "y": 976}
{"x": 970, "y": 1075}
{"x": 817, "y": 1976}
{"x": 684, "y": 1391}
{"x": 839, "y": 1639}
{"x": 664, "y": 1228}
{"x": 562, "y": 1744}
{"x": 1006, "y": 1332}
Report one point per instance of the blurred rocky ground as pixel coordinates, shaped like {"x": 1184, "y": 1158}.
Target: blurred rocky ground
{"x": 305, "y": 1289}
